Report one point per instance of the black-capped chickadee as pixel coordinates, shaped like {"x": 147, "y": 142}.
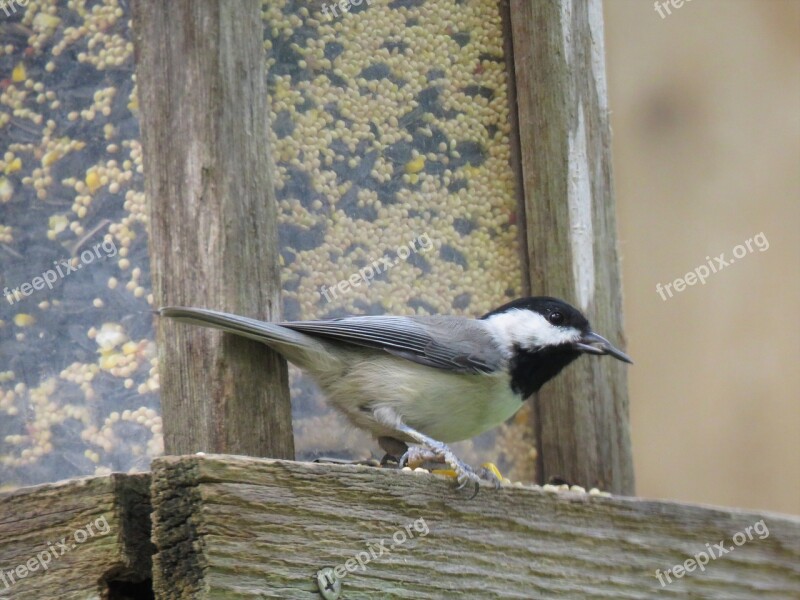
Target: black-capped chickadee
{"x": 427, "y": 380}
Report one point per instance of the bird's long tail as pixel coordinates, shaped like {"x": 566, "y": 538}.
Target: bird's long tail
{"x": 299, "y": 348}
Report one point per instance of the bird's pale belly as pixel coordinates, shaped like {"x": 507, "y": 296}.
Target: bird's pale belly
{"x": 446, "y": 406}
{"x": 463, "y": 414}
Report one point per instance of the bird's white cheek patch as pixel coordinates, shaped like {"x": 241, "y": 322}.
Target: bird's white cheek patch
{"x": 528, "y": 330}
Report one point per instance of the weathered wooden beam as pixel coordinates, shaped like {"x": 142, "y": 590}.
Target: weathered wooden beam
{"x": 248, "y": 528}
{"x": 77, "y": 539}
{"x": 213, "y": 232}
{"x": 559, "y": 65}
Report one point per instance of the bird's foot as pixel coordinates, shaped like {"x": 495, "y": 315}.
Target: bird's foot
{"x": 462, "y": 472}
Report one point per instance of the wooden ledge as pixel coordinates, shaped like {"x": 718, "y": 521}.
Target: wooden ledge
{"x": 228, "y": 526}
{"x": 76, "y": 539}
{"x": 238, "y": 527}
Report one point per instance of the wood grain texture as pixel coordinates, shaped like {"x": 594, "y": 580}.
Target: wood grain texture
{"x": 213, "y": 233}
{"x": 236, "y": 527}
{"x": 582, "y": 416}
{"x": 33, "y": 520}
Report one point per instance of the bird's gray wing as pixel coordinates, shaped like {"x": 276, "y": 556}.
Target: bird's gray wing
{"x": 451, "y": 343}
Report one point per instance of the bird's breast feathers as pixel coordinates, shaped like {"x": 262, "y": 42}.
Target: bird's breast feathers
{"x": 444, "y": 405}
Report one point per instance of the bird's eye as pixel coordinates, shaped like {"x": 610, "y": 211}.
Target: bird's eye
{"x": 556, "y": 318}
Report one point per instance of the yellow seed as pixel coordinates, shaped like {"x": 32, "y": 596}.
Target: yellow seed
{"x": 415, "y": 165}
{"x": 44, "y": 21}
{"x": 92, "y": 181}
{"x": 109, "y": 361}
{"x": 24, "y": 320}
{"x": 493, "y": 468}
{"x": 19, "y": 73}
{"x": 50, "y": 157}
{"x": 57, "y": 223}
{"x": 445, "y": 472}
{"x": 14, "y": 166}
{"x": 6, "y": 189}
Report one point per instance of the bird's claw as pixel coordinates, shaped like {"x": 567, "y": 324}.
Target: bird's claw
{"x": 465, "y": 474}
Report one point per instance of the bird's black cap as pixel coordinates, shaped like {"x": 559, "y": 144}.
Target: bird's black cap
{"x": 546, "y": 306}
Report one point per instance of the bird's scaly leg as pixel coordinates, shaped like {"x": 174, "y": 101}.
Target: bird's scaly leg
{"x": 432, "y": 449}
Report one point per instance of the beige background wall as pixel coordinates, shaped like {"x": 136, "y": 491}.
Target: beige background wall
{"x": 706, "y": 120}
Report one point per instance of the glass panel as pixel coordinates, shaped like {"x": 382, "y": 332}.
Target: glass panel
{"x": 390, "y": 133}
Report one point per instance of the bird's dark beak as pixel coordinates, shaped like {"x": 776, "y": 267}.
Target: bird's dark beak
{"x": 592, "y": 343}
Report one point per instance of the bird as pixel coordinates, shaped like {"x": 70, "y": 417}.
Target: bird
{"x": 427, "y": 381}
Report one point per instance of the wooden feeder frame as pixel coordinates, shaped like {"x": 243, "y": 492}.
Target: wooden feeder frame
{"x": 222, "y": 526}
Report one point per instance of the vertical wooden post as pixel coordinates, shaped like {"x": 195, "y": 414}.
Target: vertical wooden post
{"x": 213, "y": 231}
{"x": 559, "y": 63}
